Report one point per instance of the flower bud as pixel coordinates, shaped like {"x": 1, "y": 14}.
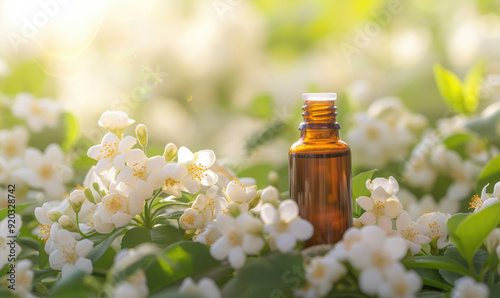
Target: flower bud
{"x": 170, "y": 152}
{"x": 89, "y": 195}
{"x": 54, "y": 215}
{"x": 76, "y": 200}
{"x": 141, "y": 132}
{"x": 273, "y": 178}
{"x": 95, "y": 186}
{"x": 68, "y": 224}
{"x": 234, "y": 209}
{"x": 270, "y": 195}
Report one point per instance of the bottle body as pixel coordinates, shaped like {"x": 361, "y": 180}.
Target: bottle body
{"x": 320, "y": 174}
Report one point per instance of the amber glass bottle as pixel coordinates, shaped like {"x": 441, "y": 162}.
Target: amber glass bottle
{"x": 320, "y": 170}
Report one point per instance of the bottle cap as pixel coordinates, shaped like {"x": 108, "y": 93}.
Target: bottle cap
{"x": 319, "y": 96}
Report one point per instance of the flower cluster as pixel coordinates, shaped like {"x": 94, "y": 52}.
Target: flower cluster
{"x": 383, "y": 133}
{"x": 383, "y": 207}
{"x": 32, "y": 170}
{"x": 375, "y": 258}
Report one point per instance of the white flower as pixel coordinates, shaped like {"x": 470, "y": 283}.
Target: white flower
{"x": 486, "y": 200}
{"x": 436, "y": 221}
{"x": 204, "y": 209}
{"x": 42, "y": 215}
{"x": 24, "y": 278}
{"x": 270, "y": 195}
{"x": 370, "y": 139}
{"x": 382, "y": 206}
{"x": 120, "y": 205}
{"x": 9, "y": 170}
{"x": 206, "y": 288}
{"x": 239, "y": 193}
{"x": 466, "y": 287}
{"x": 69, "y": 253}
{"x": 38, "y": 113}
{"x": 110, "y": 147}
{"x": 493, "y": 240}
{"x": 198, "y": 165}
{"x": 7, "y": 243}
{"x": 139, "y": 166}
{"x": 390, "y": 185}
{"x": 174, "y": 179}
{"x": 418, "y": 172}
{"x": 208, "y": 234}
{"x": 47, "y": 170}
{"x": 322, "y": 273}
{"x": 13, "y": 142}
{"x": 399, "y": 283}
{"x": 413, "y": 233}
{"x": 241, "y": 236}
{"x": 376, "y": 251}
{"x": 285, "y": 226}
{"x": 342, "y": 248}
{"x": 115, "y": 121}
{"x": 427, "y": 204}
{"x": 127, "y": 257}
{"x": 134, "y": 286}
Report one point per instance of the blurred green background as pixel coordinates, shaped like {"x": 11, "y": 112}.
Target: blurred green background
{"x": 228, "y": 75}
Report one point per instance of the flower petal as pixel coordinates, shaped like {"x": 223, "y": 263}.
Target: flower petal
{"x": 301, "y": 229}
{"x": 288, "y": 210}
{"x": 365, "y": 202}
{"x": 220, "y": 249}
{"x": 83, "y": 247}
{"x": 127, "y": 143}
{"x": 285, "y": 242}
{"x": 237, "y": 257}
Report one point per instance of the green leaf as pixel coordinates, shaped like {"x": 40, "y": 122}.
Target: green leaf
{"x": 268, "y": 276}
{"x": 431, "y": 277}
{"x": 72, "y": 283}
{"x": 136, "y": 236}
{"x": 435, "y": 262}
{"x": 26, "y": 77}
{"x": 101, "y": 248}
{"x": 471, "y": 232}
{"x": 458, "y": 143}
{"x": 165, "y": 235}
{"x": 454, "y": 221}
{"x": 6, "y": 293}
{"x": 19, "y": 208}
{"x": 359, "y": 190}
{"x": 472, "y": 85}
{"x": 71, "y": 131}
{"x": 489, "y": 175}
{"x": 43, "y": 257}
{"x": 27, "y": 242}
{"x": 359, "y": 184}
{"x": 179, "y": 260}
{"x": 450, "y": 88}
{"x": 453, "y": 253}
{"x": 162, "y": 236}
{"x": 488, "y": 126}
{"x": 262, "y": 106}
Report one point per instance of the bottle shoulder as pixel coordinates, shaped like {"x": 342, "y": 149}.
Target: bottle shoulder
{"x": 301, "y": 147}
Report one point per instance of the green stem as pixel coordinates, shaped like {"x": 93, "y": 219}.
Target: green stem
{"x": 80, "y": 231}
{"x": 473, "y": 271}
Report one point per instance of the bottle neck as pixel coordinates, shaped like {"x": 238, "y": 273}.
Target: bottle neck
{"x": 319, "y": 121}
